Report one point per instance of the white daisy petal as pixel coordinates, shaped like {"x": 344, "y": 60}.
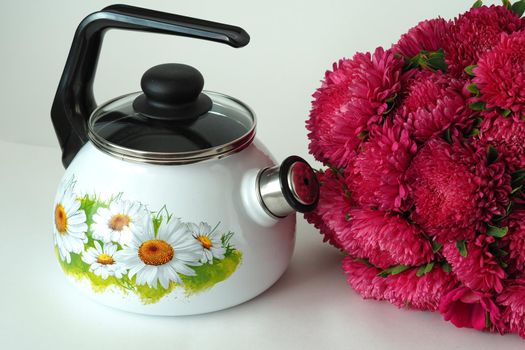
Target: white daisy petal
{"x": 180, "y": 267}
{"x": 70, "y": 223}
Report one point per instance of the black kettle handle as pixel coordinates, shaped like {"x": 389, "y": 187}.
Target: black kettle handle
{"x": 74, "y": 101}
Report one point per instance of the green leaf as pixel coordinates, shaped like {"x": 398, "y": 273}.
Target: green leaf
{"x": 497, "y": 251}
{"x": 462, "y": 248}
{"x": 424, "y": 269}
{"x": 391, "y": 103}
{"x": 506, "y": 3}
{"x": 498, "y": 218}
{"x": 347, "y": 217}
{"x": 492, "y": 154}
{"x": 517, "y": 189}
{"x": 488, "y": 322}
{"x": 447, "y": 136}
{"x": 517, "y": 178}
{"x": 436, "y": 246}
{"x": 473, "y": 132}
{"x": 469, "y": 70}
{"x": 477, "y": 106}
{"x": 391, "y": 98}
{"x": 436, "y": 61}
{"x": 473, "y": 88}
{"x": 364, "y": 261}
{"x": 393, "y": 270}
{"x": 362, "y": 135}
{"x": 497, "y": 231}
{"x": 518, "y": 8}
{"x": 477, "y": 4}
{"x": 398, "y": 269}
{"x": 446, "y": 267}
{"x": 505, "y": 112}
{"x": 432, "y": 60}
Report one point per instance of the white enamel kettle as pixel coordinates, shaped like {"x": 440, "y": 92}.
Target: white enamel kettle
{"x": 169, "y": 205}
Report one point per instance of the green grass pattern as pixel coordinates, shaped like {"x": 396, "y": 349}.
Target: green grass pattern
{"x": 207, "y": 275}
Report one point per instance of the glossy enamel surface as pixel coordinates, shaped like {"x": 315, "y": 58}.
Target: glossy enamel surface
{"x": 214, "y": 191}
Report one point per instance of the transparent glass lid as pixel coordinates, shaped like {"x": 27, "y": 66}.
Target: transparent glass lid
{"x": 119, "y": 129}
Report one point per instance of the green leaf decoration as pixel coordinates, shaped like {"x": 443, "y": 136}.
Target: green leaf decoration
{"x": 436, "y": 246}
{"x": 446, "y": 267}
{"x": 462, "y": 248}
{"x": 518, "y": 8}
{"x": 477, "y": 106}
{"x": 477, "y": 4}
{"x": 393, "y": 270}
{"x": 474, "y": 89}
{"x": 506, "y": 3}
{"x": 347, "y": 217}
{"x": 447, "y": 136}
{"x": 425, "y": 269}
{"x": 492, "y": 154}
{"x": 206, "y": 275}
{"x": 497, "y": 231}
{"x": 469, "y": 70}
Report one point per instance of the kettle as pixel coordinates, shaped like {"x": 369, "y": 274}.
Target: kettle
{"x": 169, "y": 205}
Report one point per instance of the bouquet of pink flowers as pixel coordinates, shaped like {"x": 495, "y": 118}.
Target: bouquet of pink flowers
{"x": 424, "y": 189}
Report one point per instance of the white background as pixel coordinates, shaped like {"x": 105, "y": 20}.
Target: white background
{"x": 293, "y": 43}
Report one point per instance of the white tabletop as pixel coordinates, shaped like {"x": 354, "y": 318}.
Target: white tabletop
{"x": 310, "y": 307}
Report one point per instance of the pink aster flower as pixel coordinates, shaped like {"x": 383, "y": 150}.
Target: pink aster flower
{"x": 364, "y": 279}
{"x": 475, "y": 32}
{"x": 479, "y": 270}
{"x": 515, "y": 239}
{"x": 507, "y": 135}
{"x": 434, "y": 102}
{"x": 500, "y": 74}
{"x": 329, "y": 104}
{"x": 352, "y": 98}
{"x": 512, "y": 300}
{"x": 427, "y": 35}
{"x": 384, "y": 239}
{"x": 377, "y": 177}
{"x": 332, "y": 208}
{"x": 455, "y": 190}
{"x": 422, "y": 293}
{"x": 467, "y": 308}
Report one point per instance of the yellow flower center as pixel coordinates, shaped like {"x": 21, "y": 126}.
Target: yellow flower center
{"x": 155, "y": 252}
{"x": 119, "y": 221}
{"x": 105, "y": 259}
{"x": 205, "y": 241}
{"x": 60, "y": 219}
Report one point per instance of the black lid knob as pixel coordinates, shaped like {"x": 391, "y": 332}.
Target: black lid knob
{"x": 172, "y": 91}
